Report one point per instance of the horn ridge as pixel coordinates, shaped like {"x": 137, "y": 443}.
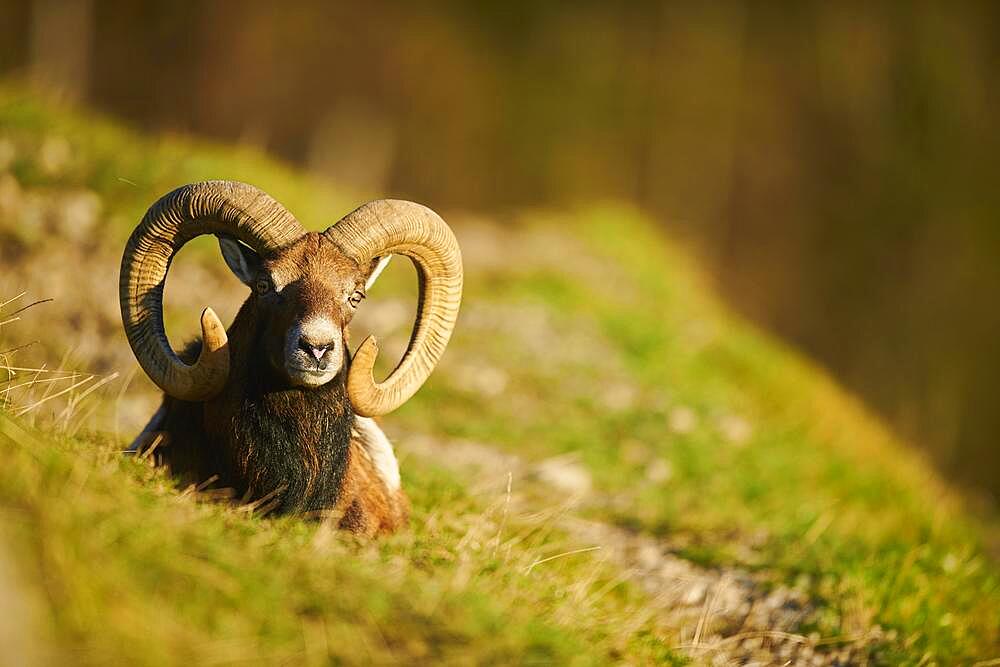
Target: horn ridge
{"x": 208, "y": 207}
{"x": 398, "y": 227}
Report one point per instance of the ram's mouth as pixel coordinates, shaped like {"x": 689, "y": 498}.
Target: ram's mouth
{"x": 307, "y": 371}
{"x": 309, "y": 377}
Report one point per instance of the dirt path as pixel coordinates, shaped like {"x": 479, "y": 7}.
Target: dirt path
{"x": 716, "y": 616}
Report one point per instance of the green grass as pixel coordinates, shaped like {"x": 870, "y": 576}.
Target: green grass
{"x": 133, "y": 571}
{"x": 125, "y": 168}
{"x": 825, "y": 495}
{"x": 609, "y": 345}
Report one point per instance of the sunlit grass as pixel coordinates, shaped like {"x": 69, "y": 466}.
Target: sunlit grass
{"x": 582, "y": 333}
{"x": 773, "y": 468}
{"x": 131, "y": 562}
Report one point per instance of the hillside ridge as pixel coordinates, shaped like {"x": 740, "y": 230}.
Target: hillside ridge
{"x": 607, "y": 465}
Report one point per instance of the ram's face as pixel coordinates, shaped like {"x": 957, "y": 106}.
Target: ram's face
{"x": 306, "y": 287}
{"x": 305, "y": 296}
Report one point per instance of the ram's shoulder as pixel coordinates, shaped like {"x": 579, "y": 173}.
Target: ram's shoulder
{"x": 374, "y": 444}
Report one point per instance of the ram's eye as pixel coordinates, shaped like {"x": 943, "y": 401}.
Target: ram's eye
{"x": 356, "y": 298}
{"x": 263, "y": 286}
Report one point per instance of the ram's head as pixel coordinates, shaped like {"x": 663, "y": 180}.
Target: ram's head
{"x": 305, "y": 287}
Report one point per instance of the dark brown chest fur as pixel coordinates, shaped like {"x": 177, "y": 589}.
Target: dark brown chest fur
{"x": 265, "y": 440}
{"x": 289, "y": 444}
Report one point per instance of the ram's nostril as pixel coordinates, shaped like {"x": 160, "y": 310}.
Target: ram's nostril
{"x": 316, "y": 350}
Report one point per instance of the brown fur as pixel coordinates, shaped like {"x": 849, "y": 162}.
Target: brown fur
{"x": 363, "y": 511}
{"x": 266, "y": 438}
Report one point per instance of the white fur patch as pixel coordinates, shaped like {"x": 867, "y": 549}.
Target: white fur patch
{"x": 320, "y": 330}
{"x": 378, "y": 447}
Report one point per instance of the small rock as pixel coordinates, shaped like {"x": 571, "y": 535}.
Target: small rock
{"x": 682, "y": 420}
{"x": 695, "y": 595}
{"x": 564, "y": 474}
{"x": 659, "y": 471}
{"x": 492, "y": 381}
{"x": 619, "y": 396}
{"x": 649, "y": 555}
{"x": 54, "y": 155}
{"x": 385, "y": 315}
{"x": 77, "y": 215}
{"x": 950, "y": 563}
{"x": 488, "y": 381}
{"x": 735, "y": 429}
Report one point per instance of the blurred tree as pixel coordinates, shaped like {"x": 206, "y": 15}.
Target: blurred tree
{"x": 60, "y": 45}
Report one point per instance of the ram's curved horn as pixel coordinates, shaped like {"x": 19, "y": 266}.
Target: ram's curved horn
{"x": 210, "y": 207}
{"x": 390, "y": 226}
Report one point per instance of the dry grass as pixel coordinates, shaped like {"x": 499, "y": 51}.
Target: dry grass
{"x": 216, "y": 583}
{"x": 24, "y": 389}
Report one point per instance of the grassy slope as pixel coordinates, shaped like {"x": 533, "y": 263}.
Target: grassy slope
{"x": 609, "y": 346}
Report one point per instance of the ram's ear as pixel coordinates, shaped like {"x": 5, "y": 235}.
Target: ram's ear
{"x": 240, "y": 258}
{"x": 375, "y": 270}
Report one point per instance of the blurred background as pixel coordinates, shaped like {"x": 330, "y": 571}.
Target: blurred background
{"x": 834, "y": 165}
